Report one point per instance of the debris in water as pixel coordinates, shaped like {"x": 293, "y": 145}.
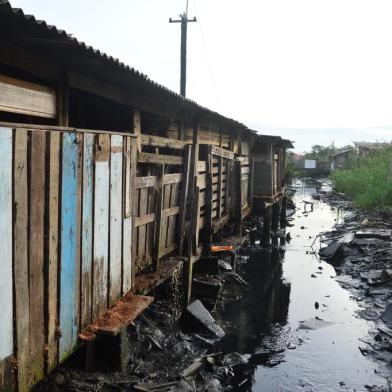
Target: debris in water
{"x": 313, "y": 324}
{"x": 225, "y": 265}
{"x": 381, "y": 234}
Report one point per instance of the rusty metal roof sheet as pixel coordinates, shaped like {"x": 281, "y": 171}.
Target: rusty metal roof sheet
{"x": 20, "y": 28}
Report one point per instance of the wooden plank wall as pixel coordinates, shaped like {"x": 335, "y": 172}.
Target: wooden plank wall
{"x": 67, "y": 197}
{"x": 88, "y": 212}
{"x": 158, "y": 201}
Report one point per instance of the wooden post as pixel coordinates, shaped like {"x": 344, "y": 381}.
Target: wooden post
{"x": 193, "y": 201}
{"x": 250, "y": 179}
{"x": 132, "y": 203}
{"x": 238, "y": 192}
{"x": 183, "y": 198}
{"x": 63, "y": 102}
{"x": 137, "y": 128}
{"x": 220, "y": 168}
{"x": 267, "y": 225}
{"x": 209, "y": 196}
{"x": 158, "y": 216}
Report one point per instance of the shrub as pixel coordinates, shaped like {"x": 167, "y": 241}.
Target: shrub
{"x": 367, "y": 180}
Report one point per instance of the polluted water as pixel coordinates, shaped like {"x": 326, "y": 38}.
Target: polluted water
{"x": 299, "y": 327}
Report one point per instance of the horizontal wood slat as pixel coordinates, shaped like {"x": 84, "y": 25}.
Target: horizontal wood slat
{"x": 221, "y": 152}
{"x": 145, "y": 157}
{"x": 157, "y": 141}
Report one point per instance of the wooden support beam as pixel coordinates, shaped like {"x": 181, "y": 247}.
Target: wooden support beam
{"x": 193, "y": 201}
{"x": 250, "y": 188}
{"x": 220, "y": 152}
{"x": 158, "y": 221}
{"x": 137, "y": 128}
{"x": 63, "y": 101}
{"x": 209, "y": 198}
{"x": 132, "y": 203}
{"x": 183, "y": 198}
{"x": 238, "y": 198}
{"x": 163, "y": 142}
{"x": 145, "y": 157}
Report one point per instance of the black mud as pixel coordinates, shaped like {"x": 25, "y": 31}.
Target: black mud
{"x": 293, "y": 321}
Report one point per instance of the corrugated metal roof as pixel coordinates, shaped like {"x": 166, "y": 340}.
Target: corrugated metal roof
{"x": 21, "y": 28}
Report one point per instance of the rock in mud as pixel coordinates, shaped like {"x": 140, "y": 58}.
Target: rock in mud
{"x": 387, "y": 315}
{"x": 198, "y": 317}
{"x": 333, "y": 252}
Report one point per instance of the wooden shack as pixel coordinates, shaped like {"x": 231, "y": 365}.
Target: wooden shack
{"x": 269, "y": 160}
{"x": 108, "y": 183}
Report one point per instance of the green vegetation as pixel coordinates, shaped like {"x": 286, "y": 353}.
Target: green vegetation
{"x": 367, "y": 180}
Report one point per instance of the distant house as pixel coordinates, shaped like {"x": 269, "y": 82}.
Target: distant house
{"x": 364, "y": 148}
{"x": 339, "y": 159}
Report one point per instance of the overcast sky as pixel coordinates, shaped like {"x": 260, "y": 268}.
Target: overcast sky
{"x": 310, "y": 70}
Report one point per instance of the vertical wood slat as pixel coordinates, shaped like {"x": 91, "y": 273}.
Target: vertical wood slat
{"x": 238, "y": 203}
{"x": 101, "y": 225}
{"x": 87, "y": 230}
{"x": 6, "y": 300}
{"x": 127, "y": 221}
{"x": 172, "y": 223}
{"x": 143, "y": 197}
{"x": 158, "y": 216}
{"x": 69, "y": 246}
{"x": 152, "y": 193}
{"x": 53, "y": 249}
{"x": 183, "y": 198}
{"x": 116, "y": 180}
{"x": 36, "y": 253}
{"x": 167, "y": 189}
{"x": 209, "y": 196}
{"x": 250, "y": 179}
{"x": 219, "y": 198}
{"x": 21, "y": 269}
{"x": 134, "y": 153}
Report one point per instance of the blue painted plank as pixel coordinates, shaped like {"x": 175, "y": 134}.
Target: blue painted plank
{"x": 6, "y": 301}
{"x": 68, "y": 278}
{"x": 87, "y": 229}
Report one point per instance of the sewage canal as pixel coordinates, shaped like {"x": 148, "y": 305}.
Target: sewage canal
{"x": 266, "y": 322}
{"x": 289, "y": 326}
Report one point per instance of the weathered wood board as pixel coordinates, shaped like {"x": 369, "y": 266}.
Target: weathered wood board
{"x": 127, "y": 220}
{"x": 36, "y": 252}
{"x": 21, "y": 267}
{"x": 87, "y": 229}
{"x": 6, "y": 300}
{"x": 68, "y": 269}
{"x": 101, "y": 225}
{"x": 53, "y": 249}
{"x": 18, "y": 96}
{"x": 116, "y": 170}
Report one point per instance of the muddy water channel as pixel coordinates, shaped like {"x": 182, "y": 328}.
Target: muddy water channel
{"x": 289, "y": 325}
{"x": 294, "y": 290}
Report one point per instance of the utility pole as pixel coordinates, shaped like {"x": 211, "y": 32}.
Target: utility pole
{"x": 184, "y": 24}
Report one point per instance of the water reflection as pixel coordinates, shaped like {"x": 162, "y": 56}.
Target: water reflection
{"x": 263, "y": 322}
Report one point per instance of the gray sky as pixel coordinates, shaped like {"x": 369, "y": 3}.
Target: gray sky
{"x": 310, "y": 70}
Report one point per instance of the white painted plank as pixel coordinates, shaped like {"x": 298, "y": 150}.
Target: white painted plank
{"x": 6, "y": 301}
{"x": 116, "y": 179}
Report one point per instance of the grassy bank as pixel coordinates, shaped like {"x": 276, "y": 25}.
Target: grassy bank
{"x": 368, "y": 180}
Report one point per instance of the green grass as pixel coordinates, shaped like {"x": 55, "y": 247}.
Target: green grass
{"x": 368, "y": 180}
